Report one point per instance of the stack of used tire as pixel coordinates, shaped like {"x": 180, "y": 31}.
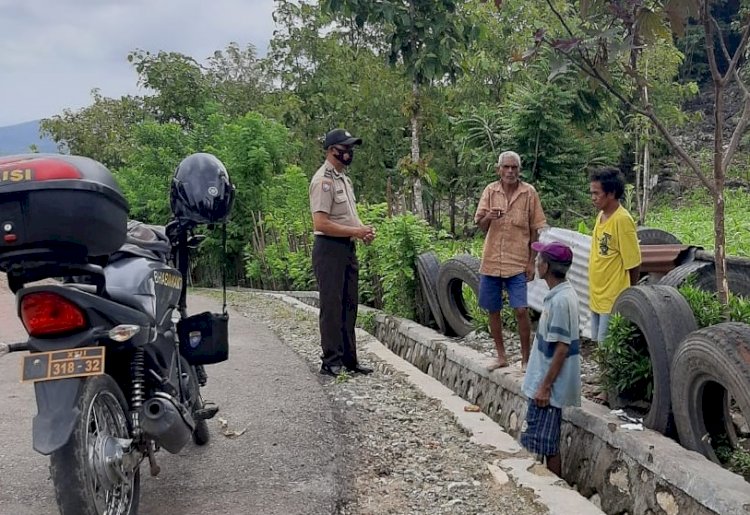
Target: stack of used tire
{"x": 663, "y": 317}
{"x": 709, "y": 379}
{"x": 711, "y": 388}
{"x": 442, "y": 287}
{"x": 702, "y": 274}
{"x": 701, "y": 377}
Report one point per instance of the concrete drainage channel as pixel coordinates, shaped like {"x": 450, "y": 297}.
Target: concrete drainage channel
{"x": 633, "y": 472}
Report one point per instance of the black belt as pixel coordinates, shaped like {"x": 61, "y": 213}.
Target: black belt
{"x": 339, "y": 239}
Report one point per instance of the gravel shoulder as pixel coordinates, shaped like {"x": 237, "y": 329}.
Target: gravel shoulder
{"x": 405, "y": 452}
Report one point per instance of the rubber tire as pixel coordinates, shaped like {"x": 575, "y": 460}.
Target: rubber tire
{"x": 422, "y": 313}
{"x": 201, "y": 433}
{"x": 705, "y": 277}
{"x": 428, "y": 268}
{"x": 651, "y": 236}
{"x": 664, "y": 318}
{"x": 459, "y": 270}
{"x": 716, "y": 354}
{"x": 68, "y": 465}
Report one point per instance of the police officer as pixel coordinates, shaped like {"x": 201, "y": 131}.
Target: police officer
{"x": 334, "y": 258}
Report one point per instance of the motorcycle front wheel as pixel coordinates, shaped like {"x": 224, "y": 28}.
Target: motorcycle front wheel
{"x": 88, "y": 476}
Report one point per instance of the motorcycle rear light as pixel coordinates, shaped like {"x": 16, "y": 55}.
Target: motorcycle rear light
{"x": 47, "y": 314}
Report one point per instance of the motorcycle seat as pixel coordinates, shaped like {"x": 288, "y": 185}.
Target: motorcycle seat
{"x": 88, "y": 288}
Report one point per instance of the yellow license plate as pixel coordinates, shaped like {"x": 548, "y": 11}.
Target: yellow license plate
{"x": 61, "y": 364}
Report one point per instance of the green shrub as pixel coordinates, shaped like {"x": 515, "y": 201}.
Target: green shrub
{"x": 736, "y": 459}
{"x": 366, "y": 321}
{"x": 623, "y": 359}
{"x": 278, "y": 253}
{"x": 393, "y": 259}
{"x": 704, "y": 304}
{"x": 708, "y": 310}
{"x": 739, "y": 309}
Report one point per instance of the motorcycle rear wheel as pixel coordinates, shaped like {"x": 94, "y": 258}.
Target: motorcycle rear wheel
{"x": 84, "y": 484}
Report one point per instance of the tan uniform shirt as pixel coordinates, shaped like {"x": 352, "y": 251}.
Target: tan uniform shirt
{"x": 331, "y": 192}
{"x": 506, "y": 247}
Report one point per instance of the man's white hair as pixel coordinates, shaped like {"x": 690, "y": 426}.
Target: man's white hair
{"x": 509, "y": 153}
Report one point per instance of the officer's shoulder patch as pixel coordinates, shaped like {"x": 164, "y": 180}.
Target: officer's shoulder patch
{"x": 326, "y": 185}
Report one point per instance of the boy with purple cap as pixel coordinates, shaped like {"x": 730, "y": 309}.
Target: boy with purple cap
{"x": 553, "y": 376}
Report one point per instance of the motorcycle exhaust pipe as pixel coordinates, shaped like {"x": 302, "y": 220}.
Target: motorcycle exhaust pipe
{"x": 164, "y": 421}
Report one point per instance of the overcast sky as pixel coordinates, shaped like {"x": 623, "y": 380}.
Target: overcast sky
{"x": 53, "y": 52}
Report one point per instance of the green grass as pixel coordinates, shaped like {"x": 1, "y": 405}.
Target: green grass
{"x": 692, "y": 221}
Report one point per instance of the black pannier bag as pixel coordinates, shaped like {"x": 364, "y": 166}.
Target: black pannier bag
{"x": 204, "y": 338}
{"x": 201, "y": 191}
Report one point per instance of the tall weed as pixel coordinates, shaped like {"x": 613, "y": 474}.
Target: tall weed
{"x": 692, "y": 220}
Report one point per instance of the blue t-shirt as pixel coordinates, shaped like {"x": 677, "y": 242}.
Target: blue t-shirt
{"x": 559, "y": 323}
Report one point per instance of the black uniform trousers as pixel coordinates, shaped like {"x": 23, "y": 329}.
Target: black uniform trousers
{"x": 337, "y": 272}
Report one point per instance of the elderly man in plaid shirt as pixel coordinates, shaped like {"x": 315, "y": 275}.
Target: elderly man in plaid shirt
{"x": 511, "y": 214}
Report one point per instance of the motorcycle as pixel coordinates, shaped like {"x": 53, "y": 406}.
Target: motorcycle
{"x": 116, "y": 361}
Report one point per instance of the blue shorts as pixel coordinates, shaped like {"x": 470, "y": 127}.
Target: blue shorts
{"x": 491, "y": 292}
{"x": 542, "y": 434}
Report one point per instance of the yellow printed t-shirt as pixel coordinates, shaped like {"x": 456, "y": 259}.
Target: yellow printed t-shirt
{"x": 614, "y": 251}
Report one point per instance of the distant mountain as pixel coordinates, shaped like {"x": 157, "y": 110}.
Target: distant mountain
{"x": 16, "y": 139}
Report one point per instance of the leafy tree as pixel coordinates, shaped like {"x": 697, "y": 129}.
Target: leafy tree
{"x": 556, "y": 125}
{"x": 329, "y": 77}
{"x": 426, "y": 37}
{"x": 604, "y": 38}
{"x": 235, "y": 80}
{"x": 279, "y": 253}
{"x": 179, "y": 85}
{"x": 145, "y": 178}
{"x": 101, "y": 131}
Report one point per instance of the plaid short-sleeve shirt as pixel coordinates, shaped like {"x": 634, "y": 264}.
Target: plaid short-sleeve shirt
{"x": 506, "y": 247}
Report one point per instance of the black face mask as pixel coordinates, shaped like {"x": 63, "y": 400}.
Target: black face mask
{"x": 340, "y": 156}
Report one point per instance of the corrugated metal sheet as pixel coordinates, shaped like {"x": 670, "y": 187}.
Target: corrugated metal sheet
{"x": 578, "y": 275}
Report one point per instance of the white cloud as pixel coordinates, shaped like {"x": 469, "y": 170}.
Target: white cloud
{"x": 53, "y": 52}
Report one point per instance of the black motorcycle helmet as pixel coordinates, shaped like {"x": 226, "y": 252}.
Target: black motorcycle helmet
{"x": 201, "y": 191}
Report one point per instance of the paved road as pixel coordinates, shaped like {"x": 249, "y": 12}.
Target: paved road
{"x": 287, "y": 461}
